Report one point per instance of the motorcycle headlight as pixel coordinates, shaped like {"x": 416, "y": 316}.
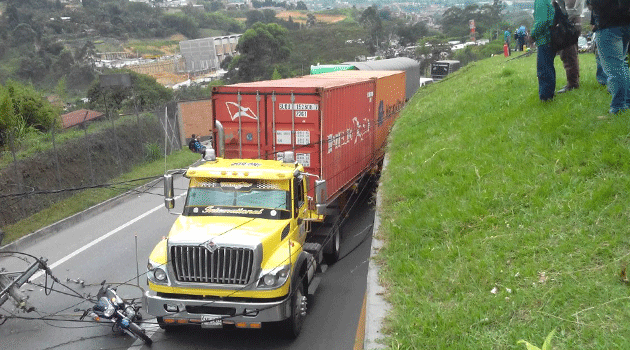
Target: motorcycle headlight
{"x": 157, "y": 272}
{"x": 274, "y": 278}
{"x": 109, "y": 311}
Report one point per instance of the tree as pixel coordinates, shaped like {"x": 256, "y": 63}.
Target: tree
{"x": 276, "y": 75}
{"x": 372, "y": 22}
{"x": 301, "y": 6}
{"x": 409, "y": 35}
{"x": 254, "y": 16}
{"x": 61, "y": 89}
{"x": 148, "y": 94}
{"x": 9, "y": 120}
{"x": 262, "y": 48}
{"x": 455, "y": 20}
{"x": 310, "y": 20}
{"x": 183, "y": 24}
{"x": 12, "y": 15}
{"x": 269, "y": 15}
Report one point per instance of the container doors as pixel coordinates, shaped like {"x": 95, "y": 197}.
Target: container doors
{"x": 293, "y": 124}
{"x": 242, "y": 117}
{"x": 262, "y": 125}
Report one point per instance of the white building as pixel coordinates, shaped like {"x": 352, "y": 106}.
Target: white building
{"x": 206, "y": 54}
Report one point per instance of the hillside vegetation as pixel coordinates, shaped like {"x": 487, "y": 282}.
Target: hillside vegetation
{"x": 507, "y": 218}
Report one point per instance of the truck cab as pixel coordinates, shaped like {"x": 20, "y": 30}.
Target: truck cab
{"x": 238, "y": 253}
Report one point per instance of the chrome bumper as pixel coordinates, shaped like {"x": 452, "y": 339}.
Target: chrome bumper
{"x": 230, "y": 311}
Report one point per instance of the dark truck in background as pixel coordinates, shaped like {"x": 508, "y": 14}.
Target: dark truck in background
{"x": 440, "y": 69}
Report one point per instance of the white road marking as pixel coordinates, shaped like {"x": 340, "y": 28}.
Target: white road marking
{"x": 91, "y": 244}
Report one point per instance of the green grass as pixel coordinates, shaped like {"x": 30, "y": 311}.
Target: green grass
{"x": 152, "y": 46}
{"x": 35, "y": 141}
{"x": 87, "y": 198}
{"x": 489, "y": 189}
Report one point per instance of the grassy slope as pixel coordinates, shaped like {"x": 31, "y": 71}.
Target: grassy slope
{"x": 488, "y": 187}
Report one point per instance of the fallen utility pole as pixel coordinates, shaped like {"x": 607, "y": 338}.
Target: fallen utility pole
{"x": 10, "y": 288}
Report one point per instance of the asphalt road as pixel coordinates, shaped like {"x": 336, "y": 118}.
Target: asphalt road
{"x": 103, "y": 247}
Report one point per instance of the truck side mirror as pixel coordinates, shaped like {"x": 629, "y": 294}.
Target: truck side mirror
{"x": 169, "y": 200}
{"x": 320, "y": 196}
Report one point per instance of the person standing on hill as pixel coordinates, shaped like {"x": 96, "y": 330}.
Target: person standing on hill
{"x": 613, "y": 36}
{"x": 600, "y": 76}
{"x": 521, "y": 35}
{"x": 506, "y": 39}
{"x": 569, "y": 56}
{"x": 541, "y": 34}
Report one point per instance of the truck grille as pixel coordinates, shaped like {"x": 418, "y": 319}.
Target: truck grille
{"x": 224, "y": 265}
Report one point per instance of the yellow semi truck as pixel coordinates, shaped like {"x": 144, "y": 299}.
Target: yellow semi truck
{"x": 242, "y": 253}
{"x": 238, "y": 254}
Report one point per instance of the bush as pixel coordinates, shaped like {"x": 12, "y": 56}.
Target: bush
{"x": 152, "y": 151}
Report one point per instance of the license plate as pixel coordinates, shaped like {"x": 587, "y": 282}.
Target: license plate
{"x": 211, "y": 321}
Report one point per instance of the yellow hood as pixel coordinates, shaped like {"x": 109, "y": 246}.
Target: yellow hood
{"x": 228, "y": 230}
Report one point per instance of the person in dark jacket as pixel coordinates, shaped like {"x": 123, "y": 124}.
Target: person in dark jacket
{"x": 613, "y": 37}
{"x": 196, "y": 146}
{"x": 569, "y": 56}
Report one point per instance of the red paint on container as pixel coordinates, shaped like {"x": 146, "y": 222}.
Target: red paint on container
{"x": 389, "y": 99}
{"x": 328, "y": 123}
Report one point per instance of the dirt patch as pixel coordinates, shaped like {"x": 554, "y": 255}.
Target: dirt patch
{"x": 301, "y": 17}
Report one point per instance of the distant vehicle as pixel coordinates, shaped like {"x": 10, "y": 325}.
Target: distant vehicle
{"x": 584, "y": 44}
{"x": 440, "y": 69}
{"x": 425, "y": 81}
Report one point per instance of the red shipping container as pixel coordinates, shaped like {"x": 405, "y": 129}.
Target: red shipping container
{"x": 328, "y": 123}
{"x": 389, "y": 99}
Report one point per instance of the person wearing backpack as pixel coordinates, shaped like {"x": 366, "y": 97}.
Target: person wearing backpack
{"x": 613, "y": 37}
{"x": 196, "y": 146}
{"x": 541, "y": 34}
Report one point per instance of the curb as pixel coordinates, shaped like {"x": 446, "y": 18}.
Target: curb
{"x": 376, "y": 306}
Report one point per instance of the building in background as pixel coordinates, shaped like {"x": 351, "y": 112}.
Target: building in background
{"x": 205, "y": 55}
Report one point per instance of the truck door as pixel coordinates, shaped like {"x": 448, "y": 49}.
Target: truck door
{"x": 300, "y": 206}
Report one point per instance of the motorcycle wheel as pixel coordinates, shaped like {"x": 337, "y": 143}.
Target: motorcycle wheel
{"x": 139, "y": 332}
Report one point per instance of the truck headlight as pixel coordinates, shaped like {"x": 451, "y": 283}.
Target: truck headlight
{"x": 157, "y": 272}
{"x": 274, "y": 278}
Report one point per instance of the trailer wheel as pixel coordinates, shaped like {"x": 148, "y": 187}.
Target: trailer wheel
{"x": 331, "y": 253}
{"x": 292, "y": 326}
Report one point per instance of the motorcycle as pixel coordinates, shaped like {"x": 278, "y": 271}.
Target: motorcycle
{"x": 112, "y": 308}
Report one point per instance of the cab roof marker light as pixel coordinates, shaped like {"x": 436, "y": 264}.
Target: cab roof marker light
{"x": 210, "y": 155}
{"x": 289, "y": 157}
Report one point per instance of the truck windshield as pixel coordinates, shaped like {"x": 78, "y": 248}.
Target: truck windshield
{"x": 230, "y": 197}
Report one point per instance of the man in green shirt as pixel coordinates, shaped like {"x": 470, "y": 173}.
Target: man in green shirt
{"x": 541, "y": 34}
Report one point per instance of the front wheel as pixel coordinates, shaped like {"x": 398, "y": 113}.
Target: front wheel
{"x": 139, "y": 332}
{"x": 292, "y": 326}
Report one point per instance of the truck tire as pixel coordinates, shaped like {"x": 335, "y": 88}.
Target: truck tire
{"x": 292, "y": 326}
{"x": 331, "y": 252}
